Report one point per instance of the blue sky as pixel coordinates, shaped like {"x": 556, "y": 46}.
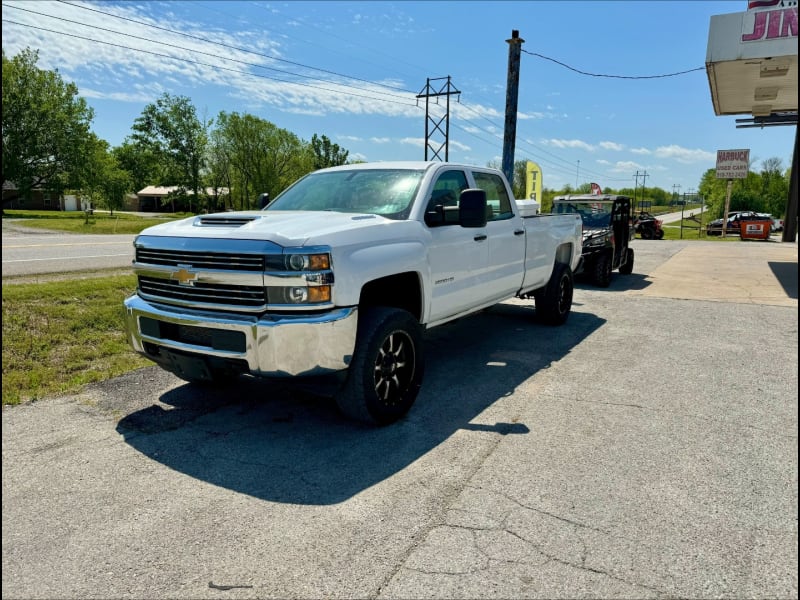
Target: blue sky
{"x": 351, "y": 71}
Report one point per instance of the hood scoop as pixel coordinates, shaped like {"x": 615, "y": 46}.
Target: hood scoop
{"x": 223, "y": 221}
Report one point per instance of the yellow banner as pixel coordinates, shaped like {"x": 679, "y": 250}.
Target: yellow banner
{"x": 533, "y": 182}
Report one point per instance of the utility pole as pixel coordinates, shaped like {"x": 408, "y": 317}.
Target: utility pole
{"x": 577, "y": 172}
{"x": 644, "y": 178}
{"x": 635, "y": 187}
{"x": 674, "y": 194}
{"x": 447, "y": 89}
{"x": 512, "y": 92}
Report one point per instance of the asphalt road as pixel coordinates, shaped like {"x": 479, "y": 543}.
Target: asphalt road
{"x": 647, "y": 449}
{"x": 29, "y": 251}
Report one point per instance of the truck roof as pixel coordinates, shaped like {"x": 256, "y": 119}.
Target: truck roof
{"x": 403, "y": 164}
{"x": 589, "y": 198}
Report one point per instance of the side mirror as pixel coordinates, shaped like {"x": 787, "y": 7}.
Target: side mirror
{"x": 472, "y": 208}
{"x": 435, "y": 216}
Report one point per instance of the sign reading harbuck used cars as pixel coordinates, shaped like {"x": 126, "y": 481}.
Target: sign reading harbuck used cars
{"x": 733, "y": 164}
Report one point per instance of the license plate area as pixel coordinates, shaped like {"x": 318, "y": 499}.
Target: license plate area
{"x": 218, "y": 339}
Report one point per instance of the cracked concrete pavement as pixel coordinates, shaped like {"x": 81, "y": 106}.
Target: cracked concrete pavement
{"x": 647, "y": 449}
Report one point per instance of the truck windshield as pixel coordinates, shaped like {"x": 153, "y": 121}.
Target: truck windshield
{"x": 385, "y": 192}
{"x": 593, "y": 214}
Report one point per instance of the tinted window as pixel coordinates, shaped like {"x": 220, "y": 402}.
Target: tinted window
{"x": 496, "y": 196}
{"x": 445, "y": 195}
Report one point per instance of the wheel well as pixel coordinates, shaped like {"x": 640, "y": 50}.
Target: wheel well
{"x": 400, "y": 291}
{"x": 564, "y": 254}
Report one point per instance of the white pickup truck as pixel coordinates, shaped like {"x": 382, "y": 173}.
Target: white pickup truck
{"x": 341, "y": 274}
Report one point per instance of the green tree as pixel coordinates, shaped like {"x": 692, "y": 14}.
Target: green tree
{"x": 219, "y": 171}
{"x": 140, "y": 162}
{"x": 327, "y": 154}
{"x": 89, "y": 175}
{"x": 260, "y": 156}
{"x": 774, "y": 186}
{"x": 46, "y": 126}
{"x": 116, "y": 185}
{"x": 170, "y": 129}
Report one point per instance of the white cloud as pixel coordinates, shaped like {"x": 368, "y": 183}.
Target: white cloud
{"x": 684, "y": 155}
{"x": 105, "y": 57}
{"x": 419, "y": 142}
{"x": 459, "y": 146}
{"x": 612, "y": 146}
{"x": 380, "y": 140}
{"x": 626, "y": 166}
{"x": 640, "y": 151}
{"x": 569, "y": 144}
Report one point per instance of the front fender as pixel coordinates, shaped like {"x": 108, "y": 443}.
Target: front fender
{"x": 353, "y": 268}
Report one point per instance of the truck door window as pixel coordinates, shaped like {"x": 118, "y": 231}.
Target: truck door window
{"x": 445, "y": 194}
{"x": 497, "y": 200}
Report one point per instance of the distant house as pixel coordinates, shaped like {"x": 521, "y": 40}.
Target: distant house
{"x": 37, "y": 199}
{"x": 156, "y": 198}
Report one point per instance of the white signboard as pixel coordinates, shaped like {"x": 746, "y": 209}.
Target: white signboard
{"x": 733, "y": 164}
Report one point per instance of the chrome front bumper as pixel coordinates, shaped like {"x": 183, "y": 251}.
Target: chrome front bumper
{"x": 271, "y": 345}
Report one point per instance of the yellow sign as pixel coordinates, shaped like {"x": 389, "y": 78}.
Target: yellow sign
{"x": 533, "y": 182}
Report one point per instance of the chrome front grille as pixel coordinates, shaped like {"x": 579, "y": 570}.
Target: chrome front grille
{"x": 215, "y": 294}
{"x": 201, "y": 260}
{"x": 218, "y": 273}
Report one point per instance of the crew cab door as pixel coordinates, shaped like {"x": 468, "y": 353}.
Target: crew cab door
{"x": 458, "y": 256}
{"x": 505, "y": 234}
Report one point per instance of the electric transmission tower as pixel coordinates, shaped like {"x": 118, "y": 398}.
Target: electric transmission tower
{"x": 433, "y": 126}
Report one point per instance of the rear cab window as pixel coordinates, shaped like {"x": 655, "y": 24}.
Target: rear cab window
{"x": 498, "y": 204}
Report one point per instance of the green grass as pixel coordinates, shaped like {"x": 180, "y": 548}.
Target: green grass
{"x": 59, "y": 336}
{"x": 77, "y": 221}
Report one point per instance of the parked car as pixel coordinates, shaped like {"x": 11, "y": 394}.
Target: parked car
{"x": 734, "y": 222}
{"x": 776, "y": 225}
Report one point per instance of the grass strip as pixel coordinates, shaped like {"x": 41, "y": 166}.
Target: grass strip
{"x": 78, "y": 222}
{"x": 59, "y": 336}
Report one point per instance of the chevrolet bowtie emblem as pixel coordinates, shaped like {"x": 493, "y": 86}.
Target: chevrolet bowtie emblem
{"x": 184, "y": 277}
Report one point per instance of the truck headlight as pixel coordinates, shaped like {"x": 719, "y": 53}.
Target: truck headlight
{"x": 308, "y": 262}
{"x": 298, "y": 294}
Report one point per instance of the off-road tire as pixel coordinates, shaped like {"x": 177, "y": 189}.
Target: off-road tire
{"x": 601, "y": 271}
{"x": 627, "y": 268}
{"x": 660, "y": 234}
{"x": 647, "y": 233}
{"x": 554, "y": 301}
{"x": 386, "y": 371}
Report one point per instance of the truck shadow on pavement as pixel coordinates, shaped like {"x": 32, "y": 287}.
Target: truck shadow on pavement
{"x": 632, "y": 281}
{"x": 280, "y": 442}
{"x": 786, "y": 274}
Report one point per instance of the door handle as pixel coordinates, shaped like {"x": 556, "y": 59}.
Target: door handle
{"x": 519, "y": 232}
{"x": 480, "y": 237}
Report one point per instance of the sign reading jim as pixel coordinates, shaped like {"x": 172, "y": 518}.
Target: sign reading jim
{"x": 733, "y": 164}
{"x": 769, "y": 20}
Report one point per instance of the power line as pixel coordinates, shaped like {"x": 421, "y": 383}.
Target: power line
{"x": 255, "y": 74}
{"x": 289, "y": 73}
{"x": 195, "y": 51}
{"x": 230, "y": 47}
{"x": 202, "y": 64}
{"x": 558, "y": 62}
{"x": 521, "y": 142}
